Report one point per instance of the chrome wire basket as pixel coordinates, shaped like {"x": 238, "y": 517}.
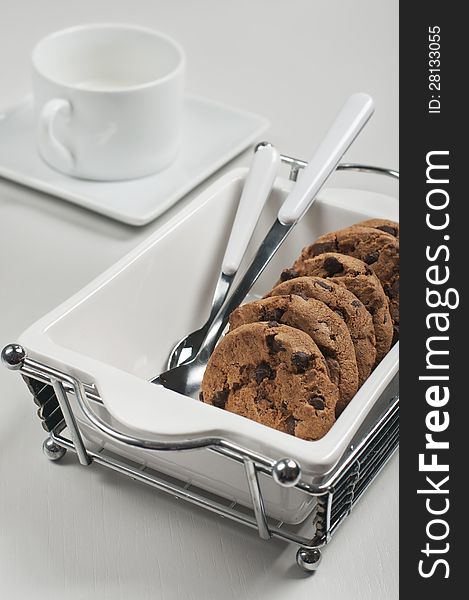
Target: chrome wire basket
{"x": 335, "y": 494}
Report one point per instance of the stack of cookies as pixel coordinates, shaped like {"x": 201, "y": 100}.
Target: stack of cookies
{"x": 294, "y": 359}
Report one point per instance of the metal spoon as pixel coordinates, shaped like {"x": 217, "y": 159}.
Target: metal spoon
{"x": 187, "y": 378}
{"x": 256, "y": 190}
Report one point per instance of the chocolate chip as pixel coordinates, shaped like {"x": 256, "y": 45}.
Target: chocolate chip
{"x": 284, "y": 405}
{"x": 333, "y": 266}
{"x": 273, "y": 324}
{"x": 317, "y": 402}
{"x": 333, "y": 369}
{"x": 388, "y": 229}
{"x": 273, "y": 344}
{"x": 301, "y": 361}
{"x": 301, "y": 295}
{"x": 272, "y": 314}
{"x": 290, "y": 424}
{"x": 339, "y": 313}
{"x": 263, "y": 371}
{"x": 201, "y": 397}
{"x": 324, "y": 285}
{"x": 392, "y": 291}
{"x": 356, "y": 303}
{"x": 371, "y": 258}
{"x": 219, "y": 398}
{"x": 322, "y": 247}
{"x": 261, "y": 396}
{"x": 288, "y": 274}
{"x": 236, "y": 386}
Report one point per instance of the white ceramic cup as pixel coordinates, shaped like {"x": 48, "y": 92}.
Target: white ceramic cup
{"x": 108, "y": 100}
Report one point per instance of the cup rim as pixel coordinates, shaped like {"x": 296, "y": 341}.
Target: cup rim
{"x": 126, "y": 26}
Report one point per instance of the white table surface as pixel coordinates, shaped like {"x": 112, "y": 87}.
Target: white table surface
{"x": 73, "y": 532}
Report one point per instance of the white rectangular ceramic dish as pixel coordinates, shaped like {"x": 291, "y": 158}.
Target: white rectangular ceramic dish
{"x": 116, "y": 334}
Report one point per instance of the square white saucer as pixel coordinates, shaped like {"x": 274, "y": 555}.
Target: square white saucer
{"x": 212, "y": 135}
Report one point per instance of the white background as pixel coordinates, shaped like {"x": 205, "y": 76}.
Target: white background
{"x": 72, "y": 532}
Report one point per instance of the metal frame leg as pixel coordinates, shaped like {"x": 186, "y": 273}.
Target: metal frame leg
{"x": 257, "y": 500}
{"x": 71, "y": 423}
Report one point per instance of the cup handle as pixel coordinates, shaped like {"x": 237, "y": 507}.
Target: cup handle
{"x": 47, "y": 137}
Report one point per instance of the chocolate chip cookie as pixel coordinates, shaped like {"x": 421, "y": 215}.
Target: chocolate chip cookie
{"x": 347, "y": 306}
{"x": 287, "y": 389}
{"x": 359, "y": 279}
{"x": 391, "y": 227}
{"x": 376, "y": 248}
{"x": 327, "y": 330}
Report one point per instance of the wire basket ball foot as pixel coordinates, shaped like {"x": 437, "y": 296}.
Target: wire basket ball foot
{"x": 52, "y": 450}
{"x": 308, "y": 559}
